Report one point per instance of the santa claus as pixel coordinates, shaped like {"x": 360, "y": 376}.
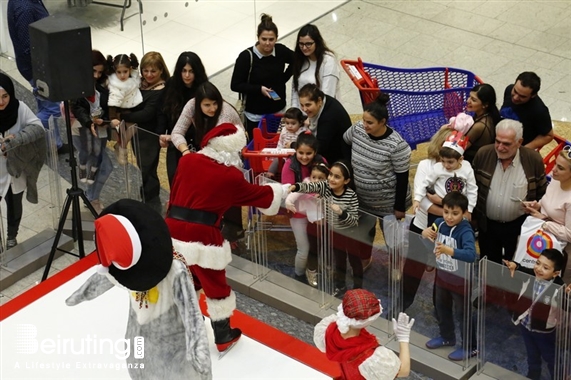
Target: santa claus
{"x": 206, "y": 184}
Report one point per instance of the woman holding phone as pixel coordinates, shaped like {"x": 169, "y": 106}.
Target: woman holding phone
{"x": 261, "y": 73}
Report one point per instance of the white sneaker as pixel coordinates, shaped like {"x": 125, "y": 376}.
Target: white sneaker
{"x": 311, "y": 277}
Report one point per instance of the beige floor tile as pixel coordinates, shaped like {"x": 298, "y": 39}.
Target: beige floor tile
{"x": 467, "y": 21}
{"x": 545, "y": 42}
{"x": 537, "y": 16}
{"x": 510, "y": 33}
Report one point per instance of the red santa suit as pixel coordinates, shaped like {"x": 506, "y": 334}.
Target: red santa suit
{"x": 206, "y": 184}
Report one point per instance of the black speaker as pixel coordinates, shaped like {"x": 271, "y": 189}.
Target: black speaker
{"x": 61, "y": 58}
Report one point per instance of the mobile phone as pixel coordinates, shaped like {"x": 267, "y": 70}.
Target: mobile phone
{"x": 274, "y": 95}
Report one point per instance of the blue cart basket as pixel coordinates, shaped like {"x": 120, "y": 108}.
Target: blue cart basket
{"x": 421, "y": 100}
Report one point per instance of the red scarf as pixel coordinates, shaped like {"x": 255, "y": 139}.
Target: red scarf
{"x": 344, "y": 350}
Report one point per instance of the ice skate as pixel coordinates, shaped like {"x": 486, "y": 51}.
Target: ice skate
{"x": 225, "y": 336}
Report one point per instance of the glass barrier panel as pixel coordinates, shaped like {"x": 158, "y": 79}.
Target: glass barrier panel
{"x": 26, "y": 184}
{"x": 521, "y": 316}
{"x": 57, "y": 191}
{"x": 435, "y": 289}
{"x": 563, "y": 335}
{"x": 130, "y": 145}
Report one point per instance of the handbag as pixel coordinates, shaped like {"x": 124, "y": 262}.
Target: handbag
{"x": 533, "y": 240}
{"x": 241, "y": 103}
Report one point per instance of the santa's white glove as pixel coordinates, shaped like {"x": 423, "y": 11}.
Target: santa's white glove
{"x": 285, "y": 190}
{"x": 402, "y": 327}
{"x": 290, "y": 206}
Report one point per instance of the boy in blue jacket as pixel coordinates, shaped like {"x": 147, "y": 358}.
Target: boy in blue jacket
{"x": 455, "y": 245}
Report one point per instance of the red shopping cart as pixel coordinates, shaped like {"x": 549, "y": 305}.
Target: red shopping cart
{"x": 262, "y": 151}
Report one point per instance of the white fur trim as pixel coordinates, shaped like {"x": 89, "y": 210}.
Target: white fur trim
{"x": 205, "y": 256}
{"x": 224, "y": 158}
{"x": 221, "y": 309}
{"x": 276, "y": 202}
{"x": 133, "y": 238}
{"x": 229, "y": 143}
{"x": 101, "y": 269}
{"x": 344, "y": 322}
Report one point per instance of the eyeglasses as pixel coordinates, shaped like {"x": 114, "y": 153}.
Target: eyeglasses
{"x": 306, "y": 44}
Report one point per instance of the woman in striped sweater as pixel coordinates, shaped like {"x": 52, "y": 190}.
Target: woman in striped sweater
{"x": 342, "y": 212}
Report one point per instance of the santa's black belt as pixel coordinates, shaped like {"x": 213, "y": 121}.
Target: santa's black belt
{"x": 193, "y": 216}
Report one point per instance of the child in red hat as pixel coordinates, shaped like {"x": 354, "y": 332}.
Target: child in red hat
{"x": 344, "y": 339}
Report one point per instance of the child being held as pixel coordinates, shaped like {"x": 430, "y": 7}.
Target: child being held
{"x": 292, "y": 127}
{"x": 534, "y": 309}
{"x": 451, "y": 174}
{"x": 455, "y": 243}
{"x": 124, "y": 94}
{"x": 344, "y": 339}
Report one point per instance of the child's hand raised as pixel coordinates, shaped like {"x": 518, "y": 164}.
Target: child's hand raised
{"x": 429, "y": 234}
{"x": 511, "y": 266}
{"x": 336, "y": 209}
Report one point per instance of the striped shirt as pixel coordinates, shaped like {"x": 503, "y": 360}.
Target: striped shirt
{"x": 375, "y": 164}
{"x": 348, "y": 202}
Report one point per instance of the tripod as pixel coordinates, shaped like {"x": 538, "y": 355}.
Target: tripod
{"x": 73, "y": 196}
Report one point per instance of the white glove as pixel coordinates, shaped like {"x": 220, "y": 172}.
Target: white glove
{"x": 402, "y": 327}
{"x": 285, "y": 190}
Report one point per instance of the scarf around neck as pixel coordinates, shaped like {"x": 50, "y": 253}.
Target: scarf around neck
{"x": 340, "y": 349}
{"x": 9, "y": 115}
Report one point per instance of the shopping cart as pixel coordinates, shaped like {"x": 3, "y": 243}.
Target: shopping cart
{"x": 551, "y": 157}
{"x": 262, "y": 151}
{"x": 270, "y": 125}
{"x": 421, "y": 100}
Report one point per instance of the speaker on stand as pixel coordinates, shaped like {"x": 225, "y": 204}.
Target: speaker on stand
{"x": 61, "y": 63}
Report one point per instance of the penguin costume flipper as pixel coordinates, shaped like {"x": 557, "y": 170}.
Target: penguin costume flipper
{"x": 186, "y": 301}
{"x": 95, "y": 286}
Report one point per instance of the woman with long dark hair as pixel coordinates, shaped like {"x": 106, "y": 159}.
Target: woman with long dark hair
{"x": 482, "y": 102}
{"x": 188, "y": 75}
{"x": 313, "y": 62}
{"x": 205, "y": 111}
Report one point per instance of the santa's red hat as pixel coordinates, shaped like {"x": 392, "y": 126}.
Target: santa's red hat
{"x": 224, "y": 143}
{"x": 225, "y": 137}
{"x": 358, "y": 309}
{"x": 133, "y": 243}
{"x": 457, "y": 141}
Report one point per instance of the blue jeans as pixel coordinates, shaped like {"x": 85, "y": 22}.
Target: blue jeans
{"x": 47, "y": 108}
{"x": 539, "y": 345}
{"x": 105, "y": 167}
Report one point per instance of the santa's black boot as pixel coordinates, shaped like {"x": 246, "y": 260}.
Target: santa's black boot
{"x": 224, "y": 335}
